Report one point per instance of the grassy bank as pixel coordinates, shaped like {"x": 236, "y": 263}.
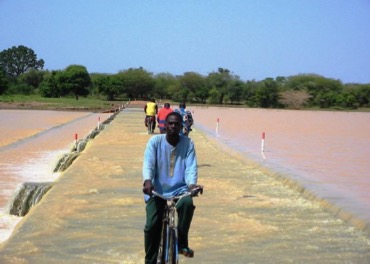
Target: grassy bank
{"x": 64, "y": 103}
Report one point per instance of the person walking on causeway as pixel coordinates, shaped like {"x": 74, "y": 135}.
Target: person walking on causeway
{"x": 161, "y": 117}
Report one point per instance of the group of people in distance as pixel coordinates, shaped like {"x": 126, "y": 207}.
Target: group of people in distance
{"x": 170, "y": 168}
{"x": 151, "y": 110}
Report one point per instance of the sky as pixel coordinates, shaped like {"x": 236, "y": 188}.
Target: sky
{"x": 254, "y": 39}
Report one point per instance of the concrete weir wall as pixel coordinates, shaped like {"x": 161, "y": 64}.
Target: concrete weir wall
{"x": 95, "y": 212}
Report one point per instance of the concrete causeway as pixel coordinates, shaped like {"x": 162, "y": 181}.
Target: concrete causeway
{"x": 95, "y": 212}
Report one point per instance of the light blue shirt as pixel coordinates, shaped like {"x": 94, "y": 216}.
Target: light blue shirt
{"x": 171, "y": 169}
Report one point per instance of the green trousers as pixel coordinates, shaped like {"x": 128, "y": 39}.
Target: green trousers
{"x": 153, "y": 227}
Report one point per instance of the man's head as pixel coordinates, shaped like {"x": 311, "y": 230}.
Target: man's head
{"x": 166, "y": 105}
{"x": 173, "y": 123}
{"x": 182, "y": 105}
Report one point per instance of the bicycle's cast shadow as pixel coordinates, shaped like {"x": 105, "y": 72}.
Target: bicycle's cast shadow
{"x": 204, "y": 165}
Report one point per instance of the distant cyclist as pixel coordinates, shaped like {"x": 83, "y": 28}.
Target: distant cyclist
{"x": 170, "y": 168}
{"x": 151, "y": 109}
{"x": 187, "y": 119}
{"x": 161, "y": 117}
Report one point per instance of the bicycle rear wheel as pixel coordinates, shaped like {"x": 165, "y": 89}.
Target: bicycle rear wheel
{"x": 150, "y": 124}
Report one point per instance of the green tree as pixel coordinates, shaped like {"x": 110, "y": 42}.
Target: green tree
{"x": 363, "y": 95}
{"x": 74, "y": 80}
{"x": 50, "y": 87}
{"x": 323, "y": 90}
{"x": 32, "y": 77}
{"x": 267, "y": 94}
{"x": 4, "y": 83}
{"x": 249, "y": 90}
{"x": 213, "y": 96}
{"x": 195, "y": 86}
{"x": 109, "y": 85}
{"x": 219, "y": 82}
{"x": 137, "y": 82}
{"x": 347, "y": 99}
{"x": 18, "y": 60}
{"x": 164, "y": 85}
{"x": 235, "y": 91}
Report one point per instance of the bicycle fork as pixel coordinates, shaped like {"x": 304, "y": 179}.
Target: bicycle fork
{"x": 168, "y": 246}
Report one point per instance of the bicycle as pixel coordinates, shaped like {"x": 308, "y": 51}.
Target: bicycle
{"x": 149, "y": 124}
{"x": 168, "y": 252}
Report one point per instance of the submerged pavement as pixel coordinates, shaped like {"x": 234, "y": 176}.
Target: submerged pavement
{"x": 95, "y": 212}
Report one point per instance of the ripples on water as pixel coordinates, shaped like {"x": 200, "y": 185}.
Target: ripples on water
{"x": 326, "y": 152}
{"x": 31, "y": 143}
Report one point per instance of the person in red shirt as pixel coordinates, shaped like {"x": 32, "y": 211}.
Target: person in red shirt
{"x": 161, "y": 117}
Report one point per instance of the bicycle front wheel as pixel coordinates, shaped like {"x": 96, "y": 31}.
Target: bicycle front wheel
{"x": 162, "y": 252}
{"x": 173, "y": 248}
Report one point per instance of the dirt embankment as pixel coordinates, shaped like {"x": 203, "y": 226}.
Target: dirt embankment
{"x": 113, "y": 107}
{"x": 46, "y": 106}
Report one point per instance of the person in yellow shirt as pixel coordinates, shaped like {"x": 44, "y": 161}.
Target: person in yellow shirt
{"x": 151, "y": 109}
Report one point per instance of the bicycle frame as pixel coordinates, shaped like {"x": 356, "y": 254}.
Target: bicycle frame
{"x": 168, "y": 252}
{"x": 168, "y": 248}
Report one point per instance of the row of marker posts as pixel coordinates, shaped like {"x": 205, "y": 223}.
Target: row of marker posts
{"x": 121, "y": 107}
{"x": 262, "y": 140}
{"x": 217, "y": 133}
{"x": 76, "y": 135}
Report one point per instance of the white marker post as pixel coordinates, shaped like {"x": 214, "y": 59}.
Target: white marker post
{"x": 98, "y": 122}
{"x": 217, "y": 126}
{"x": 263, "y": 142}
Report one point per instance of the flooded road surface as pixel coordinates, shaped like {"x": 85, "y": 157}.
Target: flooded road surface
{"x": 96, "y": 211}
{"x": 326, "y": 153}
{"x": 31, "y": 143}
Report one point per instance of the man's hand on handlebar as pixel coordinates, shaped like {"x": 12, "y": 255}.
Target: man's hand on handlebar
{"x": 195, "y": 189}
{"x": 148, "y": 187}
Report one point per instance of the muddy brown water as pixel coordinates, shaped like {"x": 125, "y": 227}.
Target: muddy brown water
{"x": 245, "y": 216}
{"x": 255, "y": 220}
{"x": 31, "y": 143}
{"x": 325, "y": 153}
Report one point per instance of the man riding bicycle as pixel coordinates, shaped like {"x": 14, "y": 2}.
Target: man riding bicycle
{"x": 169, "y": 168}
{"x": 161, "y": 117}
{"x": 151, "y": 109}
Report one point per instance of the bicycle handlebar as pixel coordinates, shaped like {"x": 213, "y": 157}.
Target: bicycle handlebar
{"x": 193, "y": 193}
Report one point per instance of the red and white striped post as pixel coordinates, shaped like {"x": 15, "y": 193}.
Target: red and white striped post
{"x": 263, "y": 142}
{"x": 76, "y": 136}
{"x": 217, "y": 126}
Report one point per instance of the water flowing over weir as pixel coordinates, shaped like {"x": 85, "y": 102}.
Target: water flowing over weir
{"x": 79, "y": 146}
{"x": 26, "y": 178}
{"x": 27, "y": 196}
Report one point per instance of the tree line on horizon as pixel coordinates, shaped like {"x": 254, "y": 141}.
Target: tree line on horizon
{"x": 22, "y": 73}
